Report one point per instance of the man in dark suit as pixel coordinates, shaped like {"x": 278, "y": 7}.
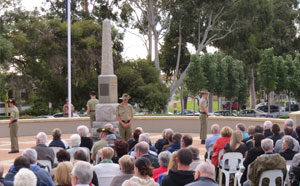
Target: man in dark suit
{"x": 142, "y": 150}
{"x": 205, "y": 175}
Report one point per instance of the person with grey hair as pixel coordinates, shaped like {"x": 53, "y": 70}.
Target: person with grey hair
{"x": 278, "y": 145}
{"x": 204, "y": 175}
{"x": 163, "y": 159}
{"x": 210, "y": 141}
{"x": 287, "y": 146}
{"x": 86, "y": 141}
{"x": 112, "y": 129}
{"x": 82, "y": 174}
{"x": 164, "y": 140}
{"x": 142, "y": 150}
{"x": 2, "y": 180}
{"x": 145, "y": 137}
{"x": 196, "y": 159}
{"x": 266, "y": 161}
{"x": 25, "y": 177}
{"x": 43, "y": 151}
{"x": 289, "y": 123}
{"x": 267, "y": 128}
{"x": 75, "y": 146}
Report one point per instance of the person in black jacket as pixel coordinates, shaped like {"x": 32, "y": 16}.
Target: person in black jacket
{"x": 142, "y": 150}
{"x": 267, "y": 128}
{"x": 253, "y": 153}
{"x": 276, "y": 133}
{"x": 163, "y": 141}
{"x": 287, "y": 146}
{"x": 85, "y": 141}
{"x": 183, "y": 175}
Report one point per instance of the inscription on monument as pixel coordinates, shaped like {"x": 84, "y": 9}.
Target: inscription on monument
{"x": 104, "y": 89}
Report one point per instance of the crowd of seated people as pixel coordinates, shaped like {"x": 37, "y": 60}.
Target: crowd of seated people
{"x": 173, "y": 160}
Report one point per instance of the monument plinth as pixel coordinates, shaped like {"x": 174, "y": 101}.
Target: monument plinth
{"x": 107, "y": 85}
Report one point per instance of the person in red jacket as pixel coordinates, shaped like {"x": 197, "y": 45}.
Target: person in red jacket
{"x": 226, "y": 133}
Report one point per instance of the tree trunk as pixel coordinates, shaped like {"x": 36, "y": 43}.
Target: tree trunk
{"x": 156, "y": 51}
{"x": 252, "y": 89}
{"x": 150, "y": 44}
{"x": 269, "y": 106}
{"x": 279, "y": 104}
{"x": 181, "y": 100}
{"x": 194, "y": 110}
{"x": 230, "y": 109}
{"x": 185, "y": 101}
{"x": 210, "y": 102}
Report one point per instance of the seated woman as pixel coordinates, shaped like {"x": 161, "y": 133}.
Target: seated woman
{"x": 276, "y": 133}
{"x": 121, "y": 148}
{"x": 126, "y": 163}
{"x": 253, "y": 153}
{"x": 57, "y": 141}
{"x": 106, "y": 169}
{"x": 236, "y": 144}
{"x": 226, "y": 133}
{"x": 143, "y": 172}
{"x": 62, "y": 174}
{"x": 163, "y": 159}
{"x": 287, "y": 146}
{"x": 172, "y": 166}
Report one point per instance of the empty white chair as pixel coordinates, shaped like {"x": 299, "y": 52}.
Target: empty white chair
{"x": 229, "y": 165}
{"x": 272, "y": 175}
{"x": 46, "y": 164}
{"x": 208, "y": 154}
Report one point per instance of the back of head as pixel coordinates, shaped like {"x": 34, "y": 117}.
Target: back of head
{"x": 288, "y": 141}
{"x": 288, "y": 131}
{"x": 83, "y": 130}
{"x": 121, "y": 147}
{"x": 109, "y": 126}
{"x": 187, "y": 140}
{"x": 289, "y": 122}
{"x": 144, "y": 166}
{"x": 235, "y": 139}
{"x": 251, "y": 130}
{"x": 25, "y": 177}
{"x": 259, "y": 129}
{"x": 56, "y": 133}
{"x": 275, "y": 128}
{"x": 92, "y": 93}
{"x": 257, "y": 138}
{"x": 195, "y": 152}
{"x": 63, "y": 155}
{"x": 80, "y": 155}
{"x": 268, "y": 125}
{"x": 241, "y": 127}
{"x": 144, "y": 137}
{"x": 62, "y": 173}
{"x": 42, "y": 137}
{"x": 136, "y": 134}
{"x": 127, "y": 164}
{"x": 164, "y": 158}
{"x": 83, "y": 171}
{"x": 21, "y": 161}
{"x": 75, "y": 140}
{"x": 172, "y": 163}
{"x": 142, "y": 147}
{"x": 168, "y": 132}
{"x": 267, "y": 144}
{"x": 185, "y": 157}
{"x": 298, "y": 131}
{"x": 177, "y": 137}
{"x": 215, "y": 129}
{"x": 226, "y": 131}
{"x": 206, "y": 169}
{"x": 30, "y": 154}
{"x": 106, "y": 152}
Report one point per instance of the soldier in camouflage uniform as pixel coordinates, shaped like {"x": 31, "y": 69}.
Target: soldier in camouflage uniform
{"x": 124, "y": 114}
{"x": 13, "y": 126}
{"x": 91, "y": 104}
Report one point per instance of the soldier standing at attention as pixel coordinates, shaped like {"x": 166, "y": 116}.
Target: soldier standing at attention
{"x": 66, "y": 109}
{"x": 13, "y": 126}
{"x": 124, "y": 114}
{"x": 203, "y": 115}
{"x": 91, "y": 105}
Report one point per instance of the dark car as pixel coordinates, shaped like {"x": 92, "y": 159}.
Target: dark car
{"x": 264, "y": 108}
{"x": 294, "y": 107}
{"x": 234, "y": 106}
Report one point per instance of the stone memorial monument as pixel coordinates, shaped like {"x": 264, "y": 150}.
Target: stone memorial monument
{"x": 107, "y": 85}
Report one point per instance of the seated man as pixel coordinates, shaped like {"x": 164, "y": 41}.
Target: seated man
{"x": 103, "y": 132}
{"x": 75, "y": 146}
{"x": 267, "y": 161}
{"x": 289, "y": 123}
{"x": 19, "y": 163}
{"x": 2, "y": 180}
{"x": 135, "y": 138}
{"x": 175, "y": 145}
{"x": 287, "y": 146}
{"x": 196, "y": 159}
{"x": 287, "y": 132}
{"x": 267, "y": 128}
{"x": 82, "y": 174}
{"x": 210, "y": 141}
{"x": 25, "y": 177}
{"x": 182, "y": 175}
{"x": 164, "y": 140}
{"x": 257, "y": 130}
{"x": 142, "y": 150}
{"x": 145, "y": 137}
{"x": 43, "y": 151}
{"x": 186, "y": 141}
{"x": 205, "y": 175}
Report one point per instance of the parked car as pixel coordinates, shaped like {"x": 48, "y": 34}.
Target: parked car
{"x": 224, "y": 113}
{"x": 273, "y": 108}
{"x": 252, "y": 113}
{"x": 188, "y": 113}
{"x": 234, "y": 106}
{"x": 61, "y": 115}
{"x": 294, "y": 107}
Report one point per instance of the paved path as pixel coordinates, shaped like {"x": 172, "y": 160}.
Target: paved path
{"x": 25, "y": 142}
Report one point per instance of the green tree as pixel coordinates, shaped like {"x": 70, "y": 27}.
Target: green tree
{"x": 291, "y": 76}
{"x": 281, "y": 79}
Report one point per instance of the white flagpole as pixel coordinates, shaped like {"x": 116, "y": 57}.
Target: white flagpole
{"x": 69, "y": 57}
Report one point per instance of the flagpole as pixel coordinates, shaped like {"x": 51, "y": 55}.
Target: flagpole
{"x": 69, "y": 57}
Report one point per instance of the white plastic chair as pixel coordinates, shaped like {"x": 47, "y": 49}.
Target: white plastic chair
{"x": 104, "y": 181}
{"x": 46, "y": 163}
{"x": 87, "y": 152}
{"x": 209, "y": 151}
{"x": 271, "y": 175}
{"x": 55, "y": 150}
{"x": 229, "y": 165}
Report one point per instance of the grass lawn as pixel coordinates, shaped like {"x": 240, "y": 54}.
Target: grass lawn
{"x": 190, "y": 106}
